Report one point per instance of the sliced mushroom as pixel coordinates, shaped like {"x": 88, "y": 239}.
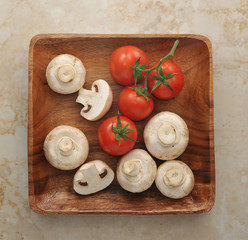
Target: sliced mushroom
{"x": 96, "y": 101}
{"x": 166, "y": 136}
{"x": 66, "y": 147}
{"x": 92, "y": 177}
{"x": 174, "y": 179}
{"x": 136, "y": 171}
{"x": 65, "y": 74}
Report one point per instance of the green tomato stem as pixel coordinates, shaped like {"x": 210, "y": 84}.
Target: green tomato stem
{"x": 171, "y": 53}
{"x": 121, "y": 132}
{"x": 138, "y": 69}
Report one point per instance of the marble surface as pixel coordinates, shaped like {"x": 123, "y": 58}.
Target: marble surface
{"x": 224, "y": 22}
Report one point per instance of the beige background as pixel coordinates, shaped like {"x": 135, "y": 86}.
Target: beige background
{"x": 224, "y": 22}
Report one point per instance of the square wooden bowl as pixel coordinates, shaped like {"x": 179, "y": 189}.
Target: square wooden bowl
{"x": 51, "y": 190}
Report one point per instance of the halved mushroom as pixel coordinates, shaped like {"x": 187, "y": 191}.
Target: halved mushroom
{"x": 166, "y": 136}
{"x": 65, "y": 74}
{"x": 174, "y": 179}
{"x": 66, "y": 147}
{"x": 136, "y": 171}
{"x": 96, "y": 101}
{"x": 92, "y": 177}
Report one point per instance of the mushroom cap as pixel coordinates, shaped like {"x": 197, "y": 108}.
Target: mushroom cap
{"x": 136, "y": 171}
{"x": 66, "y": 147}
{"x": 166, "y": 135}
{"x": 65, "y": 74}
{"x": 174, "y": 179}
{"x": 92, "y": 177}
{"x": 97, "y": 102}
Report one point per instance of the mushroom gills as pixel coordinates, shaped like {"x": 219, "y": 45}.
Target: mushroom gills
{"x": 96, "y": 101}
{"x": 92, "y": 177}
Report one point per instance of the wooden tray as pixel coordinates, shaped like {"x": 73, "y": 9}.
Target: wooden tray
{"x": 51, "y": 191}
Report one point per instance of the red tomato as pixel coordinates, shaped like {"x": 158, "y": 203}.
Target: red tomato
{"x": 107, "y": 137}
{"x": 134, "y": 106}
{"x": 121, "y": 62}
{"x": 176, "y": 82}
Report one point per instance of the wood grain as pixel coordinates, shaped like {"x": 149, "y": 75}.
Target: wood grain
{"x": 50, "y": 189}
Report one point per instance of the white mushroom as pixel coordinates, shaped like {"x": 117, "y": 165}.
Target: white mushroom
{"x": 96, "y": 101}
{"x": 92, "y": 177}
{"x": 174, "y": 179}
{"x": 136, "y": 171}
{"x": 66, "y": 147}
{"x": 65, "y": 74}
{"x": 166, "y": 136}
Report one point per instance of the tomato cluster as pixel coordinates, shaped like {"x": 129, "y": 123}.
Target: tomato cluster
{"x": 129, "y": 65}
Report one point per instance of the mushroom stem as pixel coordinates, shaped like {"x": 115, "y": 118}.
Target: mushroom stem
{"x": 85, "y": 96}
{"x": 167, "y": 134}
{"x": 65, "y": 146}
{"x": 131, "y": 167}
{"x": 174, "y": 177}
{"x": 65, "y": 73}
